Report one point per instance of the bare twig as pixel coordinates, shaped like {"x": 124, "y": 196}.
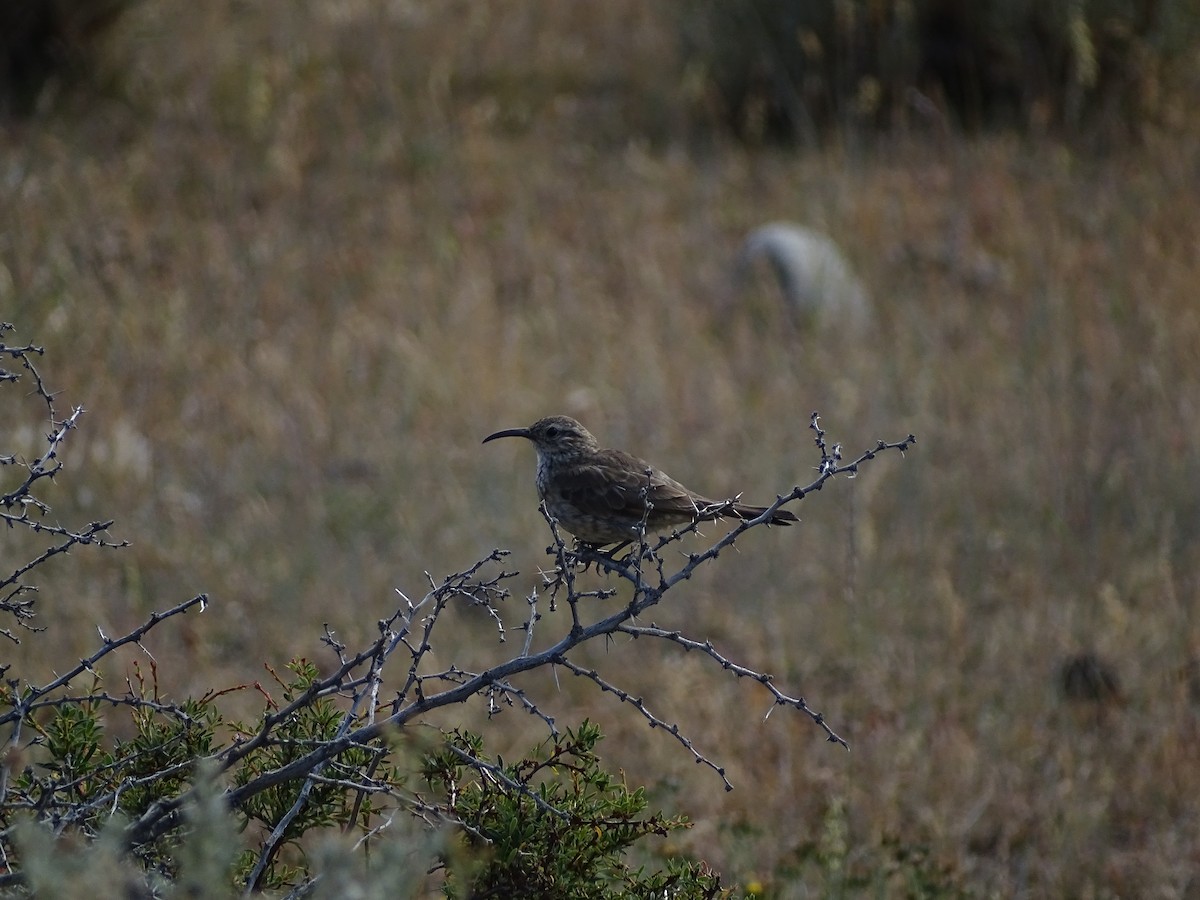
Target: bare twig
{"x": 394, "y": 681}
{"x": 425, "y": 690}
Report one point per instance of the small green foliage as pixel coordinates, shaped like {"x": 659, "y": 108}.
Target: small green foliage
{"x": 554, "y": 824}
{"x": 158, "y": 759}
{"x": 69, "y": 771}
{"x": 72, "y": 738}
{"x": 100, "y": 868}
{"x": 314, "y": 721}
{"x": 330, "y": 801}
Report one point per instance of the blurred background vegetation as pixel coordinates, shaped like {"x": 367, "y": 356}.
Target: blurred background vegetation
{"x": 296, "y": 260}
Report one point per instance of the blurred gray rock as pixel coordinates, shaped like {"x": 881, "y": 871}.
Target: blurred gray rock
{"x": 817, "y": 282}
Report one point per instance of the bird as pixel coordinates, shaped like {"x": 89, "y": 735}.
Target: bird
{"x": 602, "y": 495}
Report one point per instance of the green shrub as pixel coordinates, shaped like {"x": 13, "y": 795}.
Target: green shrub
{"x": 147, "y": 809}
{"x": 555, "y": 824}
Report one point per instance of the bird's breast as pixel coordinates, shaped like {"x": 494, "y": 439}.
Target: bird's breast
{"x": 543, "y": 475}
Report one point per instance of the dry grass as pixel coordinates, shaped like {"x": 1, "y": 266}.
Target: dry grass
{"x": 312, "y": 258}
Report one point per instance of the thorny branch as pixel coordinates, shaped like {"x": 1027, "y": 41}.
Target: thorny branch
{"x": 374, "y": 706}
{"x": 19, "y": 507}
{"x": 423, "y": 689}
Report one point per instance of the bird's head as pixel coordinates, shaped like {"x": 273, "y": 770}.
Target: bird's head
{"x": 555, "y": 436}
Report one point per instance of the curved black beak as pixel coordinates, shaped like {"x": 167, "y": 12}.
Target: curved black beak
{"x": 508, "y": 432}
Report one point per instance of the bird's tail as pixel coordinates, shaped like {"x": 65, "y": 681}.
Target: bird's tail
{"x": 744, "y": 512}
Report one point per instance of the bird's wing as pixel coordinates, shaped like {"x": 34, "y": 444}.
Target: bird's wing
{"x": 614, "y": 486}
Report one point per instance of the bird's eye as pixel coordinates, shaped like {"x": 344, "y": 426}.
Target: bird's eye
{"x": 552, "y": 431}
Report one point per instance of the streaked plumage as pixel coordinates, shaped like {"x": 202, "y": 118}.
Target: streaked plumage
{"x": 600, "y": 494}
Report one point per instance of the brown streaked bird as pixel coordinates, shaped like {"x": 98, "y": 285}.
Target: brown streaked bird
{"x": 600, "y": 495}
